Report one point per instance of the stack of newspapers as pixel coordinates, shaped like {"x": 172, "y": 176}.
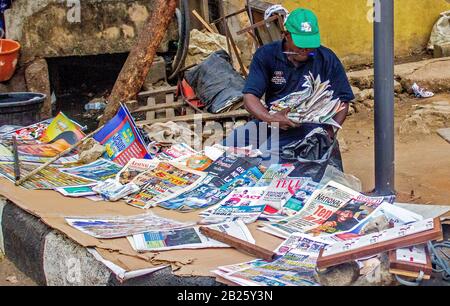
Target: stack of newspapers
{"x": 315, "y": 104}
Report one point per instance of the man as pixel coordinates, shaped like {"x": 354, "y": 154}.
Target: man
{"x": 279, "y": 69}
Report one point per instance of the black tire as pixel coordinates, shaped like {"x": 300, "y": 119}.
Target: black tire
{"x": 183, "y": 17}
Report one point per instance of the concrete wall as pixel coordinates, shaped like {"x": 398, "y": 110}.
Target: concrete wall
{"x": 55, "y": 28}
{"x": 346, "y": 29}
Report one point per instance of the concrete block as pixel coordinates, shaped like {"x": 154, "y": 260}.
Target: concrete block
{"x": 38, "y": 80}
{"x": 157, "y": 72}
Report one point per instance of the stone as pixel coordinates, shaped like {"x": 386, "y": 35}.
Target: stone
{"x": 90, "y": 151}
{"x": 156, "y": 74}
{"x": 398, "y": 88}
{"x": 342, "y": 143}
{"x": 370, "y": 104}
{"x": 38, "y": 80}
{"x": 12, "y": 279}
{"x": 426, "y": 119}
{"x": 341, "y": 275}
{"x": 445, "y": 134}
{"x": 441, "y": 50}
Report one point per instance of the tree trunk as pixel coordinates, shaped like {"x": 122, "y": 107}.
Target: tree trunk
{"x": 140, "y": 60}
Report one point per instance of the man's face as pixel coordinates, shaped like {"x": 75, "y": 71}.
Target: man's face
{"x": 343, "y": 216}
{"x": 299, "y": 54}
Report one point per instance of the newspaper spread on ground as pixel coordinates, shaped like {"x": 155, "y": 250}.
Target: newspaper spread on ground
{"x": 247, "y": 179}
{"x": 117, "y": 227}
{"x": 275, "y": 172}
{"x": 189, "y": 238}
{"x": 77, "y": 191}
{"x": 228, "y": 167}
{"x": 319, "y": 208}
{"x": 99, "y": 170}
{"x": 315, "y": 104}
{"x": 296, "y": 203}
{"x": 47, "y": 179}
{"x": 166, "y": 181}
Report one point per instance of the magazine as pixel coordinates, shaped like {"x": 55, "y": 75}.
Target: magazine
{"x": 248, "y": 214}
{"x": 77, "y": 191}
{"x": 177, "y": 152}
{"x": 117, "y": 227}
{"x": 166, "y": 181}
{"x": 189, "y": 238}
{"x": 281, "y": 190}
{"x": 122, "y": 139}
{"x": 275, "y": 172}
{"x": 299, "y": 198}
{"x": 100, "y": 170}
{"x": 229, "y": 167}
{"x": 47, "y": 179}
{"x": 247, "y": 179}
{"x": 200, "y": 197}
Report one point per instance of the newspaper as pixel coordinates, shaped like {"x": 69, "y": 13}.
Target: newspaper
{"x": 112, "y": 190}
{"x": 241, "y": 196}
{"x": 134, "y": 168}
{"x": 177, "y": 152}
{"x": 248, "y": 214}
{"x": 319, "y": 208}
{"x": 122, "y": 139}
{"x": 47, "y": 179}
{"x": 315, "y": 104}
{"x": 166, "y": 181}
{"x": 275, "y": 172}
{"x": 281, "y": 190}
{"x": 117, "y": 227}
{"x": 189, "y": 238}
{"x": 100, "y": 170}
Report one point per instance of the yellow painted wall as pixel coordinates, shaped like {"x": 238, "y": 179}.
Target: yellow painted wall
{"x": 345, "y": 27}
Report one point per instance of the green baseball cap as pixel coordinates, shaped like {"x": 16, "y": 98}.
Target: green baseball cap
{"x": 304, "y": 28}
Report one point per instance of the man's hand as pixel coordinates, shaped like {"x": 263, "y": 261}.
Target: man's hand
{"x": 282, "y": 120}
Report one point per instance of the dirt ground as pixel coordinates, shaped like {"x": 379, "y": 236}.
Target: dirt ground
{"x": 422, "y": 166}
{"x": 422, "y": 161}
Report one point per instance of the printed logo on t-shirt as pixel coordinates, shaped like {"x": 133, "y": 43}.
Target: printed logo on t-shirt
{"x": 278, "y": 78}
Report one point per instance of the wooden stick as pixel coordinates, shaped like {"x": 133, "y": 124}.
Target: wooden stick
{"x": 203, "y": 22}
{"x": 16, "y": 159}
{"x": 236, "y": 51}
{"x": 239, "y": 244}
{"x": 68, "y": 150}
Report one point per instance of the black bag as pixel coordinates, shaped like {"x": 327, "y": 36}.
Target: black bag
{"x": 312, "y": 155}
{"x": 216, "y": 83}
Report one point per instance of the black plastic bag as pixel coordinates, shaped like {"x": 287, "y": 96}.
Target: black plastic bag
{"x": 312, "y": 155}
{"x": 216, "y": 83}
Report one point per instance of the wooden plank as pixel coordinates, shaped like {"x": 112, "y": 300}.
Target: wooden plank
{"x": 203, "y": 22}
{"x": 406, "y": 267}
{"x": 151, "y": 114}
{"x": 239, "y": 244}
{"x": 444, "y": 133}
{"x": 257, "y": 25}
{"x": 236, "y": 51}
{"x": 158, "y": 107}
{"x": 204, "y": 117}
{"x": 170, "y": 112}
{"x": 205, "y": 9}
{"x": 163, "y": 90}
{"x": 376, "y": 248}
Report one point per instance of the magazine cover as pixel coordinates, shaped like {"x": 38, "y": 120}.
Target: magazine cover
{"x": 59, "y": 125}
{"x": 229, "y": 167}
{"x": 200, "y": 197}
{"x": 275, "y": 172}
{"x": 300, "y": 197}
{"x": 122, "y": 139}
{"x": 134, "y": 168}
{"x": 281, "y": 190}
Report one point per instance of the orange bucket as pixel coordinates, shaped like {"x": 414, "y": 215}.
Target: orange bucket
{"x": 9, "y": 55}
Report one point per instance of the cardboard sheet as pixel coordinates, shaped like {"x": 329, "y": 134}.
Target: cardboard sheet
{"x": 52, "y": 208}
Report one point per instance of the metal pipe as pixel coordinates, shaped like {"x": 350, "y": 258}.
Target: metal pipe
{"x": 384, "y": 97}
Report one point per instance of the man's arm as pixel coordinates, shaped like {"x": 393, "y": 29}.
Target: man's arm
{"x": 340, "y": 119}
{"x": 259, "y": 111}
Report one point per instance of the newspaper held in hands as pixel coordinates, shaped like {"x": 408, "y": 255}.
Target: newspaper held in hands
{"x": 315, "y": 104}
{"x": 188, "y": 238}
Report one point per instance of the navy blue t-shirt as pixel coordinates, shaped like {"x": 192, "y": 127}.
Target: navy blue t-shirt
{"x": 272, "y": 74}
